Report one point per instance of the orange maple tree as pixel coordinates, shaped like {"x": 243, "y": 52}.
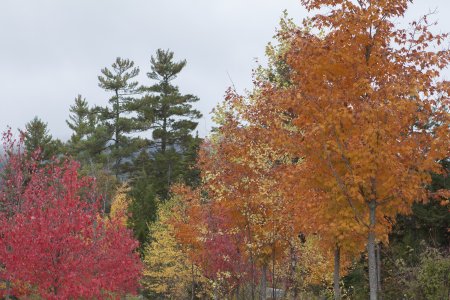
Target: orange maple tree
{"x": 364, "y": 110}
{"x": 371, "y": 109}
{"x": 344, "y": 143}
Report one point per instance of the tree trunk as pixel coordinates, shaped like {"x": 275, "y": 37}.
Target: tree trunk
{"x": 252, "y": 285}
{"x": 252, "y": 264}
{"x": 253, "y": 280}
{"x": 237, "y": 292}
{"x": 371, "y": 252}
{"x": 169, "y": 174}
{"x": 262, "y": 293}
{"x": 192, "y": 283}
{"x": 292, "y": 271}
{"x": 117, "y": 134}
{"x": 274, "y": 296}
{"x": 379, "y": 271}
{"x": 336, "y": 278}
{"x": 164, "y": 136}
{"x": 117, "y": 116}
{"x": 263, "y": 283}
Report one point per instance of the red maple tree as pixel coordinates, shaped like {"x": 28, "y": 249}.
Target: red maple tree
{"x": 54, "y": 241}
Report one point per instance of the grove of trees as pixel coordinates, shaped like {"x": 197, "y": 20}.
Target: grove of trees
{"x": 328, "y": 180}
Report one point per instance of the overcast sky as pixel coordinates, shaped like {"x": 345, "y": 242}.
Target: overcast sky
{"x": 52, "y": 50}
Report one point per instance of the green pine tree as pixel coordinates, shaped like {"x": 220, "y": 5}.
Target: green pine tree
{"x": 38, "y": 138}
{"x": 167, "y": 112}
{"x": 80, "y": 120}
{"x": 117, "y": 118}
{"x": 89, "y": 137}
{"x": 172, "y": 154}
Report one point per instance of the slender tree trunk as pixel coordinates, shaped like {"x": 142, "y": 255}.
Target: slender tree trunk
{"x": 117, "y": 134}
{"x": 252, "y": 266}
{"x": 379, "y": 271}
{"x": 274, "y": 296}
{"x": 371, "y": 252}
{"x": 117, "y": 116}
{"x": 164, "y": 112}
{"x": 336, "y": 278}
{"x": 292, "y": 271}
{"x": 262, "y": 293}
{"x": 237, "y": 292}
{"x": 192, "y": 283}
{"x": 164, "y": 136}
{"x": 169, "y": 174}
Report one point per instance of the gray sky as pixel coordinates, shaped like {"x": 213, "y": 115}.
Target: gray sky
{"x": 52, "y": 50}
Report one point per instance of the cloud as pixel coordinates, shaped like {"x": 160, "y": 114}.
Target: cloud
{"x": 53, "y": 50}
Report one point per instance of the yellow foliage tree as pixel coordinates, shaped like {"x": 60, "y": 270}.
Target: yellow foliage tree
{"x": 167, "y": 272}
{"x": 119, "y": 205}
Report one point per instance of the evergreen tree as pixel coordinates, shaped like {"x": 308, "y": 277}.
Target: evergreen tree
{"x": 170, "y": 116}
{"x": 172, "y": 153}
{"x": 190, "y": 173}
{"x": 143, "y": 208}
{"x": 80, "y": 120}
{"x": 89, "y": 138}
{"x": 37, "y": 137}
{"x": 87, "y": 144}
{"x": 168, "y": 113}
{"x": 117, "y": 117}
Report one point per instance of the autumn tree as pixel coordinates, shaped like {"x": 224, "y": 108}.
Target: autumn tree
{"x": 54, "y": 242}
{"x": 242, "y": 174}
{"x": 167, "y": 268}
{"x": 371, "y": 108}
{"x": 120, "y": 204}
{"x": 206, "y": 229}
{"x": 364, "y": 112}
{"x": 344, "y": 236}
{"x": 187, "y": 220}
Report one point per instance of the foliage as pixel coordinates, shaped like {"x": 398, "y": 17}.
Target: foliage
{"x": 426, "y": 278}
{"x": 116, "y": 119}
{"x": 364, "y": 98}
{"x": 167, "y": 271}
{"x": 171, "y": 118}
{"x": 53, "y": 242}
{"x": 89, "y": 137}
{"x": 341, "y": 146}
{"x": 165, "y": 110}
{"x": 120, "y": 204}
{"x": 81, "y": 120}
{"x": 434, "y": 275}
{"x": 143, "y": 207}
{"x": 171, "y": 155}
{"x": 37, "y": 137}
{"x": 345, "y": 130}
